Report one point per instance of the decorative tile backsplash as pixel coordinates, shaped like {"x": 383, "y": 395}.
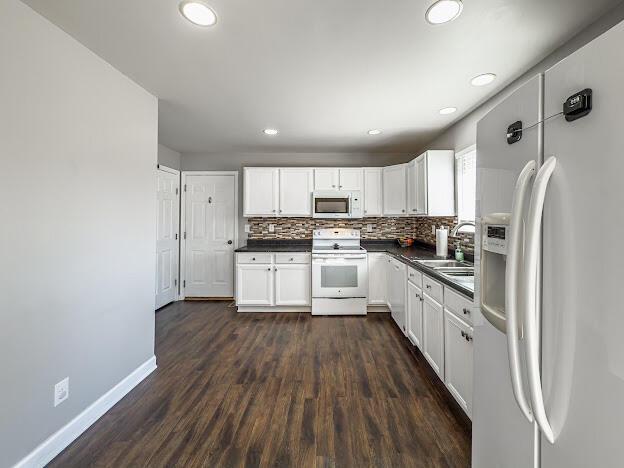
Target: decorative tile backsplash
{"x": 381, "y": 228}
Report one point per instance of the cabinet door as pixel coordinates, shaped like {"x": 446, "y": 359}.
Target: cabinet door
{"x": 411, "y": 188}
{"x": 261, "y": 191}
{"x": 433, "y": 331}
{"x": 254, "y": 285}
{"x": 414, "y": 314}
{"x": 292, "y": 284}
{"x": 458, "y": 356}
{"x": 351, "y": 179}
{"x": 399, "y": 306}
{"x": 326, "y": 178}
{"x": 420, "y": 185}
{"x": 295, "y": 191}
{"x": 377, "y": 279}
{"x": 372, "y": 191}
{"x": 394, "y": 190}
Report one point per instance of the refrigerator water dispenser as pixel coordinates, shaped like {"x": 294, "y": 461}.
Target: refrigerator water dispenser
{"x": 494, "y": 237}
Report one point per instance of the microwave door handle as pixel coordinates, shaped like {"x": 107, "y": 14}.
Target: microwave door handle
{"x": 532, "y": 312}
{"x": 514, "y": 255}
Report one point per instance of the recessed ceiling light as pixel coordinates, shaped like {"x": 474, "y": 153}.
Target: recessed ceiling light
{"x": 197, "y": 12}
{"x": 270, "y": 131}
{"x": 448, "y": 110}
{"x": 375, "y": 131}
{"x": 482, "y": 80}
{"x": 444, "y": 11}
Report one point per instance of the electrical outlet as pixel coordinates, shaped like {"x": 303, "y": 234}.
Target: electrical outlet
{"x": 271, "y": 227}
{"x": 247, "y": 228}
{"x": 369, "y": 227}
{"x": 61, "y": 391}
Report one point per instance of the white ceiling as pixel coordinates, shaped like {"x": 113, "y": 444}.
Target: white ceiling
{"x": 323, "y": 72}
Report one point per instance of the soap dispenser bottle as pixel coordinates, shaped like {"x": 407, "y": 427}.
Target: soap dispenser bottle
{"x": 459, "y": 253}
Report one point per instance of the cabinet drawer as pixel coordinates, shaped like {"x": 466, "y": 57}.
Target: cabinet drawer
{"x": 432, "y": 288}
{"x": 257, "y": 257}
{"x": 299, "y": 257}
{"x": 414, "y": 276}
{"x": 458, "y": 304}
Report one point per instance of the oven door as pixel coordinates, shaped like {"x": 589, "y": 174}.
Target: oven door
{"x": 339, "y": 276}
{"x": 328, "y": 206}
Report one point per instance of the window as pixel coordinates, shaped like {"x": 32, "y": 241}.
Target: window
{"x": 466, "y": 180}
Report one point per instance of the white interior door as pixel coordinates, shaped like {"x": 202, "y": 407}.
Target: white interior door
{"x": 210, "y": 228}
{"x": 167, "y": 193}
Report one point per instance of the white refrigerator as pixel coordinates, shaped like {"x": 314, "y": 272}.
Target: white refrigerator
{"x": 549, "y": 350}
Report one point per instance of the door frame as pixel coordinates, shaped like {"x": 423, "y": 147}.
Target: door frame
{"x": 182, "y": 278}
{"x": 170, "y": 170}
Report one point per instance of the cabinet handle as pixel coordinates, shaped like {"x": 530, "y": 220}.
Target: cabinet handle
{"x": 274, "y": 268}
{"x": 280, "y": 211}
{"x": 413, "y": 209}
{"x": 428, "y": 286}
{"x": 402, "y": 211}
{"x": 273, "y": 211}
{"x": 466, "y": 311}
{"x": 333, "y": 186}
{"x": 269, "y": 269}
{"x": 292, "y": 259}
{"x": 253, "y": 259}
{"x": 463, "y": 333}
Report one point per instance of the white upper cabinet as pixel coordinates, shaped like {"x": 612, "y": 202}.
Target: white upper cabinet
{"x": 333, "y": 178}
{"x": 431, "y": 184}
{"x": 261, "y": 191}
{"x": 395, "y": 190}
{"x": 326, "y": 178}
{"x": 295, "y": 191}
{"x": 351, "y": 179}
{"x": 373, "y": 191}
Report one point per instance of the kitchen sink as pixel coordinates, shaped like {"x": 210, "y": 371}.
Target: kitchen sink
{"x": 439, "y": 264}
{"x": 458, "y": 271}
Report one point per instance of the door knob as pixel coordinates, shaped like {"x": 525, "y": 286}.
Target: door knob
{"x": 230, "y": 242}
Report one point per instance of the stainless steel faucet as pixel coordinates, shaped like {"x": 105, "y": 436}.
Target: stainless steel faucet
{"x": 461, "y": 225}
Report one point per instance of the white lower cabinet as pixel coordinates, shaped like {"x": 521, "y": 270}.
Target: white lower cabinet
{"x": 377, "y": 268}
{"x": 292, "y": 284}
{"x": 458, "y": 357}
{"x": 281, "y": 281}
{"x": 433, "y": 331}
{"x": 397, "y": 294}
{"x": 415, "y": 314}
{"x": 254, "y": 284}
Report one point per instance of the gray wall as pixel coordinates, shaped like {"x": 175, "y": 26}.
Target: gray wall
{"x": 236, "y": 161}
{"x": 168, "y": 157}
{"x": 464, "y": 132}
{"x": 78, "y": 144}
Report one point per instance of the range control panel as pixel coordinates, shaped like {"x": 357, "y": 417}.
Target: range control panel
{"x": 495, "y": 238}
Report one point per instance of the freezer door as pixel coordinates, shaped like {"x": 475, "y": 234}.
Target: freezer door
{"x": 501, "y": 435}
{"x": 582, "y": 310}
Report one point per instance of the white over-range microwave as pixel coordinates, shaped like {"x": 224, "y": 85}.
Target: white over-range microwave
{"x": 337, "y": 204}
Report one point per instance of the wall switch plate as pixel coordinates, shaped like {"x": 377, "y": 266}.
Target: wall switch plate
{"x": 247, "y": 228}
{"x": 271, "y": 227}
{"x": 61, "y": 391}
{"x": 369, "y": 227}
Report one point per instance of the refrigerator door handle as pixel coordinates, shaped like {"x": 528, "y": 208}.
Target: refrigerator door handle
{"x": 532, "y": 313}
{"x": 512, "y": 268}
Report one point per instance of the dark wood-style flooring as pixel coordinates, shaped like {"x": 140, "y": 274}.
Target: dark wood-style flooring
{"x": 277, "y": 390}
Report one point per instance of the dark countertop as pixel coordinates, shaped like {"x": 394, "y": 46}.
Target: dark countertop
{"x": 421, "y": 251}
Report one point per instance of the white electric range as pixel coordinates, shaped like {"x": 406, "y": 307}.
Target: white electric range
{"x": 339, "y": 273}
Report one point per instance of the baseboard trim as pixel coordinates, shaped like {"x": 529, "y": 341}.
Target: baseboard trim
{"x": 58, "y": 441}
